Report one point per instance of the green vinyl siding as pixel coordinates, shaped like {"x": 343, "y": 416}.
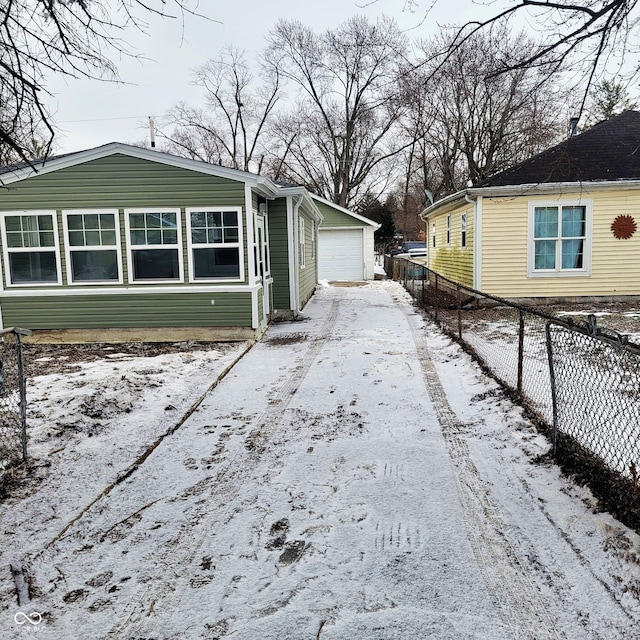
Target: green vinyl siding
{"x": 279, "y": 253}
{"x": 308, "y": 275}
{"x": 135, "y": 310}
{"x": 334, "y": 218}
{"x": 122, "y": 182}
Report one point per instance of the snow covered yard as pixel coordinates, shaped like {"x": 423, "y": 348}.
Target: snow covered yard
{"x": 354, "y": 475}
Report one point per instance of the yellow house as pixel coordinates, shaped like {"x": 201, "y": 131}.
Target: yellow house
{"x": 560, "y": 225}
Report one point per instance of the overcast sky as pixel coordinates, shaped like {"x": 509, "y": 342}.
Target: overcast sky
{"x": 91, "y": 113}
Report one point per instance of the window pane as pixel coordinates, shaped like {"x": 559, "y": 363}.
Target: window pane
{"x": 92, "y": 238}
{"x": 91, "y": 221}
{"x": 231, "y": 235}
{"x": 14, "y": 239}
{"x": 45, "y": 223}
{"x": 94, "y": 265}
{"x": 107, "y": 221}
{"x": 198, "y": 219}
{"x": 170, "y": 236}
{"x": 230, "y": 218}
{"x": 76, "y": 238}
{"x": 108, "y": 238}
{"x": 154, "y": 236}
{"x": 155, "y": 264}
{"x": 199, "y": 236}
{"x": 545, "y": 254}
{"x": 573, "y": 222}
{"x": 572, "y": 254}
{"x": 136, "y": 220}
{"x": 13, "y": 223}
{"x": 546, "y": 222}
{"x": 215, "y": 235}
{"x": 152, "y": 220}
{"x": 74, "y": 222}
{"x": 43, "y": 239}
{"x": 169, "y": 220}
{"x": 33, "y": 266}
{"x": 138, "y": 236}
{"x": 216, "y": 263}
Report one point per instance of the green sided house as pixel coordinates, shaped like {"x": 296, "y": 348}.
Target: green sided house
{"x": 559, "y": 226}
{"x": 123, "y": 243}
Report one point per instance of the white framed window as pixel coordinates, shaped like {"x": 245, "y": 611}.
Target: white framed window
{"x": 154, "y": 243}
{"x": 93, "y": 249}
{"x": 32, "y": 256}
{"x": 313, "y": 240}
{"x": 214, "y": 240}
{"x": 463, "y": 230}
{"x": 559, "y": 238}
{"x": 433, "y": 235}
{"x": 448, "y": 229}
{"x": 301, "y": 244}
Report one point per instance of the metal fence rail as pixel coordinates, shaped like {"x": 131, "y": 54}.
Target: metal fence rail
{"x": 13, "y": 406}
{"x": 581, "y": 384}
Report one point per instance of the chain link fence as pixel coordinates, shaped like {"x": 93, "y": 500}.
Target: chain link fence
{"x": 13, "y": 404}
{"x": 580, "y": 384}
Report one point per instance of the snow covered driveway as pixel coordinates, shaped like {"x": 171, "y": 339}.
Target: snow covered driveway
{"x": 352, "y": 477}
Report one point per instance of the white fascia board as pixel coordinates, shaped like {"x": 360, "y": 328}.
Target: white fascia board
{"x": 263, "y": 185}
{"x": 337, "y": 207}
{"x": 545, "y": 188}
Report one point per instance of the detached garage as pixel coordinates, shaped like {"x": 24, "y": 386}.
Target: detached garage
{"x": 345, "y": 243}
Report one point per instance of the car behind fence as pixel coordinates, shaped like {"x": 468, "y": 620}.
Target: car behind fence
{"x": 580, "y": 383}
{"x": 13, "y": 405}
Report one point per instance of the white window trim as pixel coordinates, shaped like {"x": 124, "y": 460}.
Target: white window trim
{"x": 219, "y": 245}
{"x": 132, "y": 247}
{"x": 448, "y": 228}
{"x": 68, "y": 250}
{"x": 302, "y": 258}
{"x": 314, "y": 248}
{"x": 433, "y": 235}
{"x": 8, "y": 251}
{"x": 559, "y": 272}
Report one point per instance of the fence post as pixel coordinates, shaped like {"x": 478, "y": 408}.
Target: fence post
{"x": 436, "y": 297}
{"x": 23, "y": 396}
{"x": 552, "y": 379}
{"x": 459, "y": 311}
{"x": 424, "y": 285}
{"x": 520, "y": 349}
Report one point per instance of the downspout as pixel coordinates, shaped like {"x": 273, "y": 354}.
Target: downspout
{"x": 295, "y": 294}
{"x": 477, "y": 240}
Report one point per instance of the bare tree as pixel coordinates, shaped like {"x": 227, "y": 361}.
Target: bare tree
{"x": 76, "y": 38}
{"x": 584, "y": 35}
{"x": 343, "y": 135}
{"x": 231, "y": 129}
{"x": 479, "y": 122}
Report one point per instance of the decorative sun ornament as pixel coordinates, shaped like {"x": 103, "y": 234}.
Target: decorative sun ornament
{"x": 623, "y": 227}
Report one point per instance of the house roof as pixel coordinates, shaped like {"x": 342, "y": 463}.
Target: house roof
{"x": 348, "y": 212}
{"x": 608, "y": 151}
{"x": 22, "y": 171}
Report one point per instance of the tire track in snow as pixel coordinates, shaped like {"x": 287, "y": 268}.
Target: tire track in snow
{"x": 137, "y": 617}
{"x": 520, "y": 604}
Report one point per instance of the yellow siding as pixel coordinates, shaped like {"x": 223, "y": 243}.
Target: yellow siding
{"x": 615, "y": 264}
{"x": 451, "y": 259}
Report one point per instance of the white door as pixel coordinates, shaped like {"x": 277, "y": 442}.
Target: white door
{"x": 262, "y": 264}
{"x": 340, "y": 254}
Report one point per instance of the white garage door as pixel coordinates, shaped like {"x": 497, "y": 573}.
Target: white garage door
{"x": 340, "y": 255}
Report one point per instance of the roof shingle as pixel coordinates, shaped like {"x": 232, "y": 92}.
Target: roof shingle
{"x": 608, "y": 151}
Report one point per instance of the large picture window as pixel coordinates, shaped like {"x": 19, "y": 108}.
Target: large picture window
{"x": 560, "y": 240}
{"x": 215, "y": 244}
{"x": 154, "y": 245}
{"x": 31, "y": 242}
{"x": 93, "y": 247}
